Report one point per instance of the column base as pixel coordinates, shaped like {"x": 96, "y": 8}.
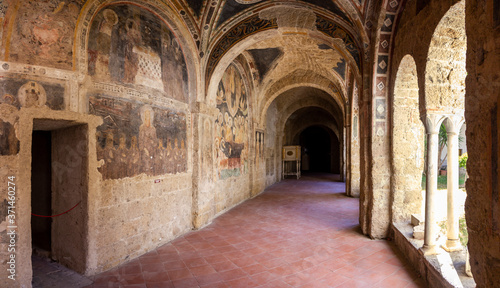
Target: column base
{"x": 429, "y": 250}
{"x": 452, "y": 245}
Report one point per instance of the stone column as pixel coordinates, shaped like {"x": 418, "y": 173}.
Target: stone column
{"x": 348, "y": 149}
{"x": 342, "y": 145}
{"x": 430, "y": 232}
{"x": 453, "y": 242}
{"x": 203, "y": 201}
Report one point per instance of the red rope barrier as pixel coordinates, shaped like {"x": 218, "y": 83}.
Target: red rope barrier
{"x": 57, "y": 214}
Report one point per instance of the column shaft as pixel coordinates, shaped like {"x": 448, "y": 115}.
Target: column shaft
{"x": 453, "y": 242}
{"x": 430, "y": 233}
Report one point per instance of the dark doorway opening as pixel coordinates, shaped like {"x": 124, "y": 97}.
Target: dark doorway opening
{"x": 59, "y": 191}
{"x": 322, "y": 149}
{"x": 41, "y": 191}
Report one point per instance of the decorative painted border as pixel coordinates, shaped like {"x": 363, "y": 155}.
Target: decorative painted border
{"x": 332, "y": 29}
{"x": 381, "y": 70}
{"x": 239, "y": 32}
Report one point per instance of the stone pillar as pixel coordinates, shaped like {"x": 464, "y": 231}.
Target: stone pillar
{"x": 342, "y": 147}
{"x": 348, "y": 149}
{"x": 203, "y": 203}
{"x": 430, "y": 233}
{"x": 453, "y": 241}
{"x": 354, "y": 160}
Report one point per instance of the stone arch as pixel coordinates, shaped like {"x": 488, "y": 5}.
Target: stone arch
{"x": 335, "y": 150}
{"x": 301, "y": 115}
{"x": 227, "y": 59}
{"x": 166, "y": 14}
{"x": 227, "y": 47}
{"x": 408, "y": 135}
{"x": 329, "y": 126}
{"x": 445, "y": 70}
{"x": 319, "y": 103}
{"x": 301, "y": 78}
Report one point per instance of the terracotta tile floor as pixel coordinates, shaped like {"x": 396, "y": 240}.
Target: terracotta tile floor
{"x": 298, "y": 233}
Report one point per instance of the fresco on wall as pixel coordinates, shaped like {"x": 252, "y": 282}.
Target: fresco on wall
{"x": 9, "y": 144}
{"x": 137, "y": 138}
{"x": 265, "y": 59}
{"x": 45, "y": 34}
{"x": 129, "y": 45}
{"x": 3, "y": 10}
{"x": 25, "y": 93}
{"x": 332, "y": 29}
{"x": 231, "y": 141}
{"x": 340, "y": 67}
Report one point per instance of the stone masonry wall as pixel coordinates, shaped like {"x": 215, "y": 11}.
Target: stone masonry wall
{"x": 407, "y": 144}
{"x": 482, "y": 207}
{"x": 408, "y": 91}
{"x": 136, "y": 215}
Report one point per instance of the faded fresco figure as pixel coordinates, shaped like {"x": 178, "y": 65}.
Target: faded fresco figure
{"x": 174, "y": 70}
{"x": 159, "y": 162}
{"x": 104, "y": 44}
{"x": 9, "y": 144}
{"x": 134, "y": 158}
{"x": 130, "y": 37}
{"x": 147, "y": 139}
{"x": 32, "y": 94}
{"x": 136, "y": 136}
{"x": 122, "y": 156}
{"x": 130, "y": 45}
{"x": 109, "y": 157}
{"x": 45, "y": 37}
{"x": 170, "y": 157}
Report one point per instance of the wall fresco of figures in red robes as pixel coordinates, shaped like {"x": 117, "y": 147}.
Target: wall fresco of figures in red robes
{"x": 231, "y": 126}
{"x": 138, "y": 138}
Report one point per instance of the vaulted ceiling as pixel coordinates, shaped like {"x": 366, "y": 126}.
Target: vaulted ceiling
{"x": 319, "y": 44}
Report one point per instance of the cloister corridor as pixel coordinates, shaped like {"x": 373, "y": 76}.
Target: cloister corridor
{"x": 298, "y": 233}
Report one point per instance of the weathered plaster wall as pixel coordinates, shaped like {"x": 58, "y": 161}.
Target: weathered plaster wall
{"x": 482, "y": 112}
{"x": 45, "y": 35}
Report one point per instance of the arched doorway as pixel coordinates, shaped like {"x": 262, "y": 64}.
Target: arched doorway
{"x": 322, "y": 148}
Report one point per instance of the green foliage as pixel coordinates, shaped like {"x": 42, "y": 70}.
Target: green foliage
{"x": 463, "y": 234}
{"x": 443, "y": 136}
{"x": 462, "y": 160}
{"x": 443, "y": 181}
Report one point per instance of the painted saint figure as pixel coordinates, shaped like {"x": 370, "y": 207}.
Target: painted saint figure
{"x": 104, "y": 44}
{"x": 147, "y": 139}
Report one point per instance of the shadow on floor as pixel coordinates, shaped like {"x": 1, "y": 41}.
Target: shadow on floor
{"x": 47, "y": 273}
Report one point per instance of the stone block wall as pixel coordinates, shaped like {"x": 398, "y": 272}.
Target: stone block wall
{"x": 138, "y": 214}
{"x": 482, "y": 207}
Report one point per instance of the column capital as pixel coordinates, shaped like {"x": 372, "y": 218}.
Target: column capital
{"x": 432, "y": 122}
{"x": 453, "y": 123}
